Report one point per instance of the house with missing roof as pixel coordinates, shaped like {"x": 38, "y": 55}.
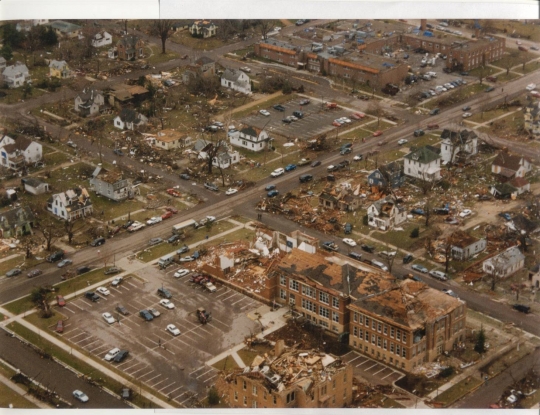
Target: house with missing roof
{"x": 129, "y": 119}
{"x": 203, "y": 29}
{"x": 3, "y": 63}
{"x": 89, "y": 102}
{"x": 250, "y": 138}
{"x": 531, "y": 118}
{"x": 66, "y": 29}
{"x": 203, "y": 66}
{"x": 458, "y": 146}
{"x": 387, "y": 176}
{"x": 16, "y": 222}
{"x": 507, "y": 166}
{"x": 59, "y": 69}
{"x": 15, "y": 154}
{"x": 236, "y": 80}
{"x": 170, "y": 139}
{"x": 423, "y": 164}
{"x": 386, "y": 213}
{"x": 504, "y": 264}
{"x": 112, "y": 185}
{"x": 14, "y": 76}
{"x": 465, "y": 246}
{"x": 101, "y": 38}
{"x": 71, "y": 204}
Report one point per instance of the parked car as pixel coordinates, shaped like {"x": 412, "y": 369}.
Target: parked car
{"x": 307, "y": 101}
{"x": 505, "y": 216}
{"x": 117, "y": 281}
{"x": 245, "y": 69}
{"x": 418, "y": 133}
{"x": 92, "y": 296}
{"x": 522, "y": 308}
{"x": 377, "y": 133}
{"x": 277, "y": 172}
{"x": 418, "y": 211}
{"x": 34, "y": 273}
{"x": 84, "y": 269}
{"x": 316, "y": 163}
{"x": 181, "y": 272}
{"x": 438, "y": 274}
{"x": 465, "y": 212}
{"x": 166, "y": 303}
{"x": 118, "y": 152}
{"x": 185, "y": 176}
{"x": 402, "y": 141}
{"x": 388, "y": 254}
{"x": 407, "y": 258}
{"x": 419, "y": 268}
{"x": 122, "y": 355}
{"x": 231, "y": 191}
{"x": 59, "y": 326}
{"x": 279, "y": 107}
{"x": 380, "y": 265}
{"x": 111, "y": 354}
{"x": 355, "y": 255}
{"x": 97, "y": 242}
{"x": 272, "y": 193}
{"x": 345, "y": 151}
{"x": 155, "y": 241}
{"x": 290, "y": 167}
{"x": 80, "y": 396}
{"x": 435, "y": 111}
{"x": 146, "y": 315}
{"x": 265, "y": 113}
{"x": 368, "y": 248}
{"x": 122, "y": 310}
{"x": 163, "y": 292}
{"x": 103, "y": 290}
{"x": 211, "y": 186}
{"x": 154, "y": 312}
{"x": 112, "y": 270}
{"x": 490, "y": 89}
{"x": 14, "y": 272}
{"x": 108, "y": 318}
{"x": 530, "y": 87}
{"x": 348, "y": 228}
{"x": 349, "y": 241}
{"x": 171, "y": 328}
{"x": 166, "y": 215}
{"x": 467, "y": 114}
{"x": 306, "y": 178}
{"x": 358, "y": 157}
{"x": 60, "y": 301}
{"x": 450, "y": 292}
{"x": 56, "y": 256}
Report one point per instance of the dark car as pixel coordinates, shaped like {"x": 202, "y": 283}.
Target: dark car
{"x": 211, "y": 186}
{"x": 13, "y": 272}
{"x": 173, "y": 238}
{"x": 122, "y": 354}
{"x": 316, "y": 163}
{"x": 122, "y": 310}
{"x": 306, "y": 178}
{"x": 82, "y": 270}
{"x": 355, "y": 255}
{"x": 298, "y": 114}
{"x": 503, "y": 215}
{"x": 279, "y": 107}
{"x": 165, "y": 293}
{"x": 368, "y": 248}
{"x": 147, "y": 315}
{"x": 112, "y": 270}
{"x": 270, "y": 187}
{"x": 118, "y": 152}
{"x": 418, "y": 133}
{"x": 128, "y": 224}
{"x": 435, "y": 111}
{"x": 348, "y": 228}
{"x": 290, "y": 167}
{"x": 34, "y": 273}
{"x": 97, "y": 242}
{"x": 56, "y": 256}
{"x": 407, "y": 258}
{"x": 183, "y": 250}
{"x": 286, "y": 120}
{"x": 345, "y": 151}
{"x": 522, "y": 308}
{"x": 418, "y": 211}
{"x": 464, "y": 73}
{"x": 92, "y": 296}
{"x": 467, "y": 108}
{"x": 185, "y": 176}
{"x": 490, "y": 89}
{"x": 272, "y": 193}
{"x": 441, "y": 211}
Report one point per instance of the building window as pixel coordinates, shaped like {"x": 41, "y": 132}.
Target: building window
{"x": 404, "y": 339}
{"x": 323, "y": 323}
{"x": 335, "y": 302}
{"x": 379, "y": 327}
{"x": 373, "y": 324}
{"x": 283, "y": 280}
{"x": 398, "y": 334}
{"x": 245, "y": 401}
{"x": 378, "y": 341}
{"x": 398, "y": 349}
{"x": 254, "y": 404}
{"x": 292, "y": 300}
{"x": 361, "y": 334}
{"x": 308, "y": 305}
{"x": 309, "y": 292}
{"x": 355, "y": 317}
{"x": 391, "y": 347}
{"x": 324, "y": 297}
{"x": 235, "y": 395}
{"x": 372, "y": 339}
{"x": 355, "y": 331}
{"x": 404, "y": 352}
{"x": 385, "y": 344}
{"x": 283, "y": 294}
{"x": 367, "y": 322}
{"x": 323, "y": 311}
{"x": 255, "y": 390}
{"x": 293, "y": 285}
{"x": 385, "y": 330}
{"x": 275, "y": 400}
{"x": 264, "y": 394}
{"x": 334, "y": 384}
{"x": 335, "y": 317}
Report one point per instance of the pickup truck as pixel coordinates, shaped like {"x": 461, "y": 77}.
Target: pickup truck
{"x": 136, "y": 226}
{"x": 304, "y": 162}
{"x": 330, "y": 246}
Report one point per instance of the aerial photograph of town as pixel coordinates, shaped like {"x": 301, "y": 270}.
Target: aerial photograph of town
{"x": 286, "y": 213}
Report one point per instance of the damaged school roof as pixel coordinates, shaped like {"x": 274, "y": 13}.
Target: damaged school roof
{"x": 410, "y": 304}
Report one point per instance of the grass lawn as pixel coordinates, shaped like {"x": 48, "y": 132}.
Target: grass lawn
{"x": 47, "y": 324}
{"x": 228, "y": 363}
{"x": 503, "y": 362}
{"x": 55, "y": 158}
{"x": 17, "y": 262}
{"x": 256, "y": 174}
{"x": 401, "y": 239}
{"x": 185, "y": 38}
{"x": 529, "y": 67}
{"x": 383, "y": 125}
{"x": 488, "y": 115}
{"x": 114, "y": 209}
{"x": 240, "y": 53}
{"x": 511, "y": 76}
{"x": 487, "y": 70}
{"x": 382, "y": 401}
{"x": 458, "y": 390}
{"x": 155, "y": 56}
{"x": 9, "y": 397}
{"x": 247, "y": 354}
{"x": 256, "y": 106}
{"x": 81, "y": 366}
{"x": 238, "y": 235}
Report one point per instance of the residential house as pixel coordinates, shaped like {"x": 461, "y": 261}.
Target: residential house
{"x": 204, "y": 67}
{"x": 101, "y": 39}
{"x": 506, "y": 166}
{"x": 16, "y": 222}
{"x": 120, "y": 95}
{"x": 111, "y": 184}
{"x": 534, "y": 277}
{"x": 17, "y": 154}
{"x": 390, "y": 175}
{"x": 89, "y": 102}
{"x": 423, "y": 164}
{"x": 3, "y": 63}
{"x": 181, "y": 25}
{"x": 66, "y": 29}
{"x": 458, "y": 146}
{"x": 236, "y": 80}
{"x": 503, "y": 191}
{"x": 505, "y": 263}
{"x": 203, "y": 29}
{"x": 223, "y": 157}
{"x": 71, "y": 204}
{"x": 130, "y": 47}
{"x": 343, "y": 199}
{"x": 59, "y": 69}
{"x": 15, "y": 75}
{"x": 386, "y": 213}
{"x": 170, "y": 139}
{"x": 465, "y": 246}
{"x": 291, "y": 378}
{"x": 34, "y": 185}
{"x": 521, "y": 184}
{"x": 250, "y": 138}
{"x": 531, "y": 117}
{"x": 129, "y": 119}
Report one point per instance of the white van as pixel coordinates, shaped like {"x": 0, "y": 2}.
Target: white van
{"x": 165, "y": 261}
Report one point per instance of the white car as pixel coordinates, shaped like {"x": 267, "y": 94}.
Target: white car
{"x": 171, "y": 328}
{"x": 265, "y": 113}
{"x": 111, "y": 354}
{"x": 153, "y": 220}
{"x": 388, "y": 254}
{"x": 166, "y": 303}
{"x": 379, "y": 265}
{"x": 108, "y": 318}
{"x": 349, "y": 242}
{"x": 449, "y": 86}
{"x": 103, "y": 290}
{"x": 403, "y": 141}
{"x": 245, "y": 69}
{"x": 357, "y": 158}
{"x": 81, "y": 396}
{"x": 530, "y": 87}
{"x": 210, "y": 287}
{"x": 344, "y": 120}
{"x": 181, "y": 272}
{"x": 277, "y": 172}
{"x": 467, "y": 115}
{"x": 339, "y": 121}
{"x": 465, "y": 212}
{"x": 231, "y": 192}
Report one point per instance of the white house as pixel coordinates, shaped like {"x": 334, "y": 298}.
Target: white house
{"x": 34, "y": 185}
{"x": 386, "y": 213}
{"x": 236, "y": 80}
{"x": 71, "y": 204}
{"x": 224, "y": 157}
{"x": 101, "y": 39}
{"x": 16, "y": 154}
{"x": 507, "y": 166}
{"x": 169, "y": 139}
{"x": 15, "y": 75}
{"x": 504, "y": 264}
{"x": 111, "y": 184}
{"x": 129, "y": 119}
{"x": 203, "y": 29}
{"x": 423, "y": 164}
{"x": 465, "y": 246}
{"x": 250, "y": 138}
{"x": 89, "y": 102}
{"x": 458, "y": 146}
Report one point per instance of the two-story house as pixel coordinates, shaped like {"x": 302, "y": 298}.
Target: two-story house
{"x": 506, "y": 166}
{"x": 423, "y": 164}
{"x": 531, "y": 118}
{"x": 224, "y": 157}
{"x": 129, "y": 119}
{"x": 102, "y": 38}
{"x": 504, "y": 264}
{"x": 71, "y": 204}
{"x": 111, "y": 184}
{"x": 386, "y": 213}
{"x": 204, "y": 67}
{"x": 458, "y": 146}
{"x": 236, "y": 80}
{"x": 170, "y": 139}
{"x": 465, "y": 246}
{"x": 15, "y": 75}
{"x": 130, "y": 47}
{"x": 89, "y": 102}
{"x": 343, "y": 199}
{"x": 16, "y": 222}
{"x": 203, "y": 29}
{"x": 59, "y": 69}
{"x": 18, "y": 153}
{"x": 250, "y": 138}
{"x": 388, "y": 176}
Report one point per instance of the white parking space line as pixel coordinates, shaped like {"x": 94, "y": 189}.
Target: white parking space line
{"x": 365, "y": 361}
{"x": 138, "y": 370}
{"x": 384, "y": 368}
{"x": 219, "y": 321}
{"x": 88, "y": 344}
{"x": 126, "y": 362}
{"x": 231, "y": 296}
{"x": 133, "y": 285}
{"x": 148, "y": 380}
{"x": 99, "y": 347}
{"x": 146, "y": 374}
{"x": 155, "y": 384}
{"x": 210, "y": 379}
{"x": 73, "y": 303}
{"x": 165, "y": 387}
{"x": 190, "y": 397}
{"x": 67, "y": 309}
{"x": 85, "y": 338}
{"x": 236, "y": 302}
{"x": 77, "y": 335}
{"x": 350, "y": 361}
{"x": 171, "y": 392}
{"x": 129, "y": 367}
{"x": 390, "y": 374}
{"x": 371, "y": 366}
{"x": 204, "y": 373}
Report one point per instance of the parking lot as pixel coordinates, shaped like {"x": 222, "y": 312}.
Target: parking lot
{"x": 371, "y": 370}
{"x": 316, "y": 121}
{"x": 173, "y": 365}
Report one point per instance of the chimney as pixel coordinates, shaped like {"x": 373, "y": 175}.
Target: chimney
{"x": 423, "y": 23}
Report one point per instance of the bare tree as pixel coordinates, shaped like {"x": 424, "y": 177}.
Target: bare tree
{"x": 510, "y": 61}
{"x": 481, "y": 74}
{"x": 69, "y": 226}
{"x": 42, "y": 297}
{"x": 375, "y": 108}
{"x": 265, "y": 26}
{"x": 162, "y": 29}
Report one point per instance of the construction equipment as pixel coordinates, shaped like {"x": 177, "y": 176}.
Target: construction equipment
{"x": 203, "y": 315}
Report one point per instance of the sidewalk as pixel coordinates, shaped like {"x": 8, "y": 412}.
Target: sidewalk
{"x": 17, "y": 389}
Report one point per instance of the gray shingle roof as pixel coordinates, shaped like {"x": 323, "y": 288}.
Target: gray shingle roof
{"x": 423, "y": 155}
